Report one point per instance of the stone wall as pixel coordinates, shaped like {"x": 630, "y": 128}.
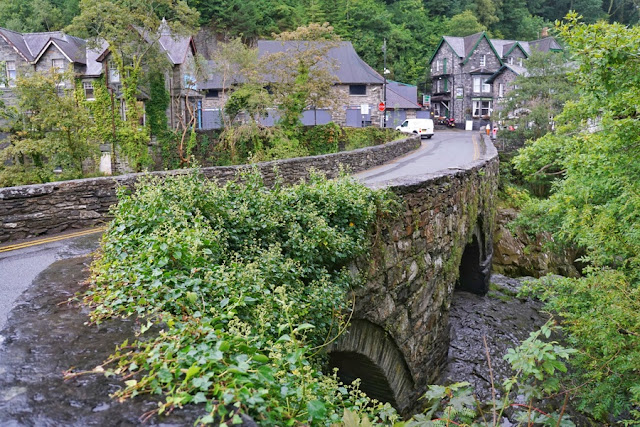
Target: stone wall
{"x": 442, "y": 238}
{"x": 34, "y": 210}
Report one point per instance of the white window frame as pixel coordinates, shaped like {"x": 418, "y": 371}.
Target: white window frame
{"x": 510, "y": 60}
{"x": 500, "y": 90}
{"x": 520, "y": 62}
{"x": 114, "y": 74}
{"x": 438, "y": 65}
{"x": 483, "y": 60}
{"x": 89, "y": 93}
{"x": 477, "y": 83}
{"x": 9, "y": 73}
{"x": 58, "y": 65}
{"x": 481, "y": 108}
{"x": 486, "y": 87}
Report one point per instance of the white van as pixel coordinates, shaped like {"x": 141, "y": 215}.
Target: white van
{"x": 423, "y": 127}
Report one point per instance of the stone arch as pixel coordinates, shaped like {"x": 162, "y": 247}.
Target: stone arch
{"x": 475, "y": 265}
{"x": 367, "y": 352}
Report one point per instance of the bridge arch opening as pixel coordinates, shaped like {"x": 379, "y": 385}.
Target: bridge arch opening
{"x": 373, "y": 381}
{"x": 368, "y": 352}
{"x": 475, "y": 265}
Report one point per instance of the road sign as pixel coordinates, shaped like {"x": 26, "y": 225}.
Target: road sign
{"x": 381, "y": 106}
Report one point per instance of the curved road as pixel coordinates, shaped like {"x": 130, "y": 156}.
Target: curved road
{"x": 20, "y": 263}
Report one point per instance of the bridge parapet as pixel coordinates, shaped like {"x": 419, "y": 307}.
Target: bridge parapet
{"x": 441, "y": 240}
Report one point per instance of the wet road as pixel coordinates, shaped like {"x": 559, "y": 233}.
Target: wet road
{"x": 20, "y": 266}
{"x": 446, "y": 150}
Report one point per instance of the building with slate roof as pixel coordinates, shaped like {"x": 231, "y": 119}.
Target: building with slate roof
{"x": 22, "y": 53}
{"x": 470, "y": 75}
{"x": 359, "y": 85}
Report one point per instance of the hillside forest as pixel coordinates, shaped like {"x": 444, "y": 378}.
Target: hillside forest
{"x": 412, "y": 27}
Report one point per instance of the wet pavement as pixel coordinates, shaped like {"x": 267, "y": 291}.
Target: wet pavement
{"x": 43, "y": 337}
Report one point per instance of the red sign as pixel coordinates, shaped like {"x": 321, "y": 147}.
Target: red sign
{"x": 381, "y": 106}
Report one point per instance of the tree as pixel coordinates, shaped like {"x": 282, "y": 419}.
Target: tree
{"x": 302, "y": 75}
{"x": 464, "y": 24}
{"x": 595, "y": 205}
{"x": 539, "y": 95}
{"x": 131, "y": 30}
{"x": 50, "y": 129}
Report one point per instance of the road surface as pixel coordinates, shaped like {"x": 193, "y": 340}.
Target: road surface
{"x": 21, "y": 263}
{"x": 445, "y": 150}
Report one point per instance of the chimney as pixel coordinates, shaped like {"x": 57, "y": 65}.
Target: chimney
{"x": 544, "y": 33}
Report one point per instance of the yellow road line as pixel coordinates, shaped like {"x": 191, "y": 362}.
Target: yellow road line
{"x": 52, "y": 239}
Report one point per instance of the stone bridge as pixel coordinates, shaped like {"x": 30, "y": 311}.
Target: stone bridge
{"x": 399, "y": 337}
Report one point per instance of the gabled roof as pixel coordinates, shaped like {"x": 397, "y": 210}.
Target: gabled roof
{"x": 350, "y": 68}
{"x": 401, "y": 95}
{"x": 176, "y": 47}
{"x": 546, "y": 44}
{"x": 464, "y": 46}
{"x": 31, "y": 46}
{"x": 518, "y": 70}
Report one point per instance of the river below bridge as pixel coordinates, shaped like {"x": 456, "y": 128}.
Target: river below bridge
{"x": 45, "y": 336}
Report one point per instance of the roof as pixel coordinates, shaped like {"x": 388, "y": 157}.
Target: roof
{"x": 518, "y": 70}
{"x": 464, "y": 46}
{"x": 175, "y": 46}
{"x": 401, "y": 95}
{"x": 33, "y": 45}
{"x": 350, "y": 68}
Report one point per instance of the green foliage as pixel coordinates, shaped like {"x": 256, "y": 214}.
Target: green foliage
{"x": 594, "y": 206}
{"x": 245, "y": 284}
{"x": 49, "y": 128}
{"x": 535, "y": 364}
{"x": 464, "y": 24}
{"x": 157, "y": 104}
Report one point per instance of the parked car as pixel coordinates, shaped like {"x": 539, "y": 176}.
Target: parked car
{"x": 423, "y": 127}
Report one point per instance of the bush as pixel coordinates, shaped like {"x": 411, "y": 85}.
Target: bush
{"x": 247, "y": 284}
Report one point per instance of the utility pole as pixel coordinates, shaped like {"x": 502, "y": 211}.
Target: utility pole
{"x": 384, "y": 86}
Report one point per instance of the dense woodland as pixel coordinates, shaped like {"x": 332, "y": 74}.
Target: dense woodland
{"x": 412, "y": 27}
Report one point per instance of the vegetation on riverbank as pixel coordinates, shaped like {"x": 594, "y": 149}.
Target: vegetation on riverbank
{"x": 590, "y": 167}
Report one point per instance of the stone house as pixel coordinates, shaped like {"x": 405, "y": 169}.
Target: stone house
{"x": 21, "y": 53}
{"x": 471, "y": 74}
{"x": 356, "y": 83}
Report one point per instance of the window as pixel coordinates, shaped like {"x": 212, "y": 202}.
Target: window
{"x": 357, "y": 89}
{"x": 212, "y": 93}
{"x": 477, "y": 81}
{"x": 114, "y": 75}
{"x": 438, "y": 65}
{"x": 520, "y": 62}
{"x": 486, "y": 88}
{"x": 444, "y": 66}
{"x": 500, "y": 90}
{"x": 189, "y": 81}
{"x": 436, "y": 109}
{"x": 510, "y": 60}
{"x": 10, "y": 73}
{"x": 57, "y": 65}
{"x": 483, "y": 60}
{"x": 88, "y": 91}
{"x": 481, "y": 108}
{"x": 446, "y": 85}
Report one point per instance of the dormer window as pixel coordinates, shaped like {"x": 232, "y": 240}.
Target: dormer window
{"x": 520, "y": 62}
{"x": 510, "y": 60}
{"x": 483, "y": 60}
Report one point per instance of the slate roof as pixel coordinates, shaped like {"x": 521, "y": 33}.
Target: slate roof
{"x": 350, "y": 68}
{"x": 32, "y": 45}
{"x": 463, "y": 46}
{"x": 518, "y": 70}
{"x": 401, "y": 95}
